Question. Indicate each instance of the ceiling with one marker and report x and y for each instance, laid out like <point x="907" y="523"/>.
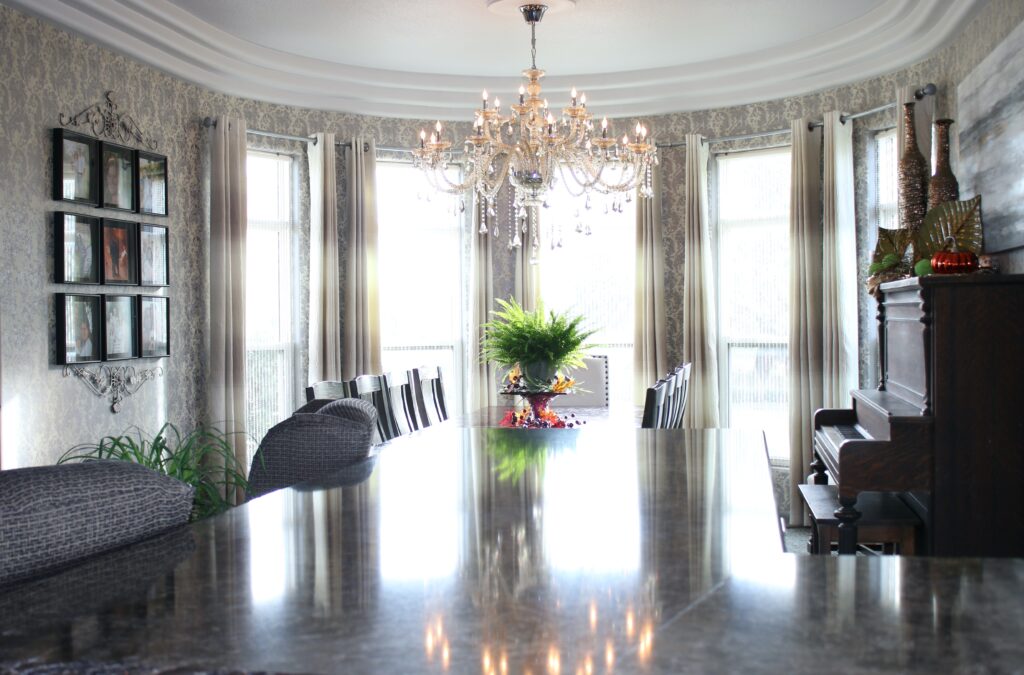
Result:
<point x="431" y="58"/>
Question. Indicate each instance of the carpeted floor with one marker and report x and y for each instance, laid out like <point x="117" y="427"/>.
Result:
<point x="796" y="539"/>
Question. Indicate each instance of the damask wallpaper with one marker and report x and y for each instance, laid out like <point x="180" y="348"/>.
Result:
<point x="47" y="71"/>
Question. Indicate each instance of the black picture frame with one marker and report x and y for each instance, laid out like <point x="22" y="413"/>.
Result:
<point x="151" y="170"/>
<point x="120" y="327"/>
<point x="117" y="177"/>
<point x="76" y="248"/>
<point x="154" y="255"/>
<point x="76" y="162"/>
<point x="79" y="328"/>
<point x="120" y="253"/>
<point x="154" y="326"/>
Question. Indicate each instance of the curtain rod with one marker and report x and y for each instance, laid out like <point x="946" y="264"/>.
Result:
<point x="927" y="90"/>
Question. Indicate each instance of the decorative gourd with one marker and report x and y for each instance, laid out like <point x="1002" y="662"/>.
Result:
<point x="953" y="261"/>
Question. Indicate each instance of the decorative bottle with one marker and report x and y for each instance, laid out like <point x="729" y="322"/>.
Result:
<point x="913" y="176"/>
<point x="943" y="186"/>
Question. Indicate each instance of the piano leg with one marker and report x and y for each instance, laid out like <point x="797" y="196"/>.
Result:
<point x="847" y="516"/>
<point x="818" y="467"/>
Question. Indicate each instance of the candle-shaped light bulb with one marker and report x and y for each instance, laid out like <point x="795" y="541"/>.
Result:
<point x="423" y="137"/>
<point x="437" y="127"/>
<point x="522" y="94"/>
<point x="485" y="99"/>
<point x="638" y="128"/>
<point x="643" y="133"/>
<point x="604" y="127"/>
<point x="572" y="94"/>
<point x="583" y="100"/>
<point x="497" y="102"/>
<point x="625" y="139"/>
<point x="433" y="137"/>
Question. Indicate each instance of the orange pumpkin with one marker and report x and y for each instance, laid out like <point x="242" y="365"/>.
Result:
<point x="952" y="261"/>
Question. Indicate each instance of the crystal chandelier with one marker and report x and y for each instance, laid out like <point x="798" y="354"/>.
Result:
<point x="530" y="146"/>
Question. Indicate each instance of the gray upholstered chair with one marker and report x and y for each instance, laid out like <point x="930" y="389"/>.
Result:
<point x="327" y="389"/>
<point x="592" y="382"/>
<point x="54" y="516"/>
<point x="313" y="444"/>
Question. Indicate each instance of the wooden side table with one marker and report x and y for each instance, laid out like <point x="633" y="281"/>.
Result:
<point x="885" y="520"/>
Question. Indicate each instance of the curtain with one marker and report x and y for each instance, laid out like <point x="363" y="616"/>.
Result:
<point x="805" y="306"/>
<point x="361" y="343"/>
<point x="228" y="221"/>
<point x="483" y="384"/>
<point x="324" y="284"/>
<point x="699" y="327"/>
<point x="650" y="358"/>
<point x="924" y="115"/>
<point x="839" y="266"/>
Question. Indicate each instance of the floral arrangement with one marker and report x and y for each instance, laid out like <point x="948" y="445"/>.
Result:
<point x="535" y="347"/>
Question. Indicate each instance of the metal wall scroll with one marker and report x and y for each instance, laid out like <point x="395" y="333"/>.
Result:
<point x="106" y="122"/>
<point x="114" y="381"/>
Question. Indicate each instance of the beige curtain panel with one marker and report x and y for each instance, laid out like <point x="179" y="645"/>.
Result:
<point x="699" y="327"/>
<point x="324" y="281"/>
<point x="483" y="383"/>
<point x="361" y="343"/>
<point x="840" y="363"/>
<point x="527" y="272"/>
<point x="650" y="353"/>
<point x="805" y="322"/>
<point x="228" y="221"/>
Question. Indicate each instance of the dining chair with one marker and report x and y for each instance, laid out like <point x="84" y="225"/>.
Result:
<point x="403" y="407"/>
<point x="428" y="393"/>
<point x="371" y="388"/>
<point x="667" y="405"/>
<point x="682" y="392"/>
<point x="593" y="379"/>
<point x="654" y="403"/>
<point x="328" y="389"/>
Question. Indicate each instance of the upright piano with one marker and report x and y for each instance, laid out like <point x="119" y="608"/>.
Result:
<point x="945" y="426"/>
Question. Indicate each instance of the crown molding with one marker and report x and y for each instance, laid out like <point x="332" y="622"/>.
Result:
<point x="893" y="35"/>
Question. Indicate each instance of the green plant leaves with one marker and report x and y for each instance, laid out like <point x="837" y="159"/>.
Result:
<point x="960" y="220"/>
<point x="203" y="458"/>
<point x="517" y="336"/>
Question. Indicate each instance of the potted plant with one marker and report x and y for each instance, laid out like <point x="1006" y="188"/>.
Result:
<point x="538" y="348"/>
<point x="202" y="458"/>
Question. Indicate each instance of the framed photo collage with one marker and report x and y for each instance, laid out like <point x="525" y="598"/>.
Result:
<point x="114" y="251"/>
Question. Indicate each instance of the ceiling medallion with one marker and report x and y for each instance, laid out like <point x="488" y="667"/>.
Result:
<point x="530" y="147"/>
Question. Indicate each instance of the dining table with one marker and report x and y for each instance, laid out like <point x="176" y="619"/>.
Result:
<point x="469" y="548"/>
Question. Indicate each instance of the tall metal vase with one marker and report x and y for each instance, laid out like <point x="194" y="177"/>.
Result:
<point x="943" y="186"/>
<point x="913" y="176"/>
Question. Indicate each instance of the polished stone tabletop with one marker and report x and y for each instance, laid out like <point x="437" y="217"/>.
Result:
<point x="456" y="549"/>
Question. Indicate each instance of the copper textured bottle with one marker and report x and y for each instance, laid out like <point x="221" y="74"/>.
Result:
<point x="943" y="186"/>
<point x="912" y="172"/>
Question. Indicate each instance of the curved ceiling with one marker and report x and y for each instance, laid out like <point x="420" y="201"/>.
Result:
<point x="419" y="59"/>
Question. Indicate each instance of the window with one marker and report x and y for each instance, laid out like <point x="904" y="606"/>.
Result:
<point x="420" y="262"/>
<point x="886" y="212"/>
<point x="269" y="344"/>
<point x="753" y="282"/>
<point x="587" y="266"/>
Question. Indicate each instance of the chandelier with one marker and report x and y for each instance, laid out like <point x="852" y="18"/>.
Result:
<point x="530" y="146"/>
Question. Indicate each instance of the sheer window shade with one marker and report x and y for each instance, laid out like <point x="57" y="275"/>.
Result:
<point x="270" y="346"/>
<point x="886" y="213"/>
<point x="753" y="269"/>
<point x="587" y="266"/>
<point x="420" y="267"/>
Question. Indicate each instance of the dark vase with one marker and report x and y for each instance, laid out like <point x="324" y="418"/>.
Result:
<point x="943" y="186"/>
<point x="913" y="176"/>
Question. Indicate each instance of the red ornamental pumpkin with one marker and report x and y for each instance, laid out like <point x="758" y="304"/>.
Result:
<point x="952" y="261"/>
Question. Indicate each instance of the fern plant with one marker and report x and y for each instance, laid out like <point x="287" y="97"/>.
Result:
<point x="203" y="458"/>
<point x="539" y="343"/>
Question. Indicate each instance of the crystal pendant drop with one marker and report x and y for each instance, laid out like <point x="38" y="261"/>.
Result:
<point x="516" y="241"/>
<point x="587" y="230"/>
<point x="586" y="204"/>
<point x="579" y="226"/>
<point x="462" y="205"/>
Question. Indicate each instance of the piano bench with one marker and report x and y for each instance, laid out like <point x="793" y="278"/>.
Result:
<point x="885" y="520"/>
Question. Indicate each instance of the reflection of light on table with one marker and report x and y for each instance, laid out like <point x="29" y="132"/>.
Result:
<point x="267" y="550"/>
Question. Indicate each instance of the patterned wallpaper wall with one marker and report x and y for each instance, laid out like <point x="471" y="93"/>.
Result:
<point x="48" y="71"/>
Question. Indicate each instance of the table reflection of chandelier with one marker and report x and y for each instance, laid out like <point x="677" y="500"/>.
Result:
<point x="530" y="146"/>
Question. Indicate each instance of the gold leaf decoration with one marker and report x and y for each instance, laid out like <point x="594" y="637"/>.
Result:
<point x="960" y="220"/>
<point x="891" y="241"/>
